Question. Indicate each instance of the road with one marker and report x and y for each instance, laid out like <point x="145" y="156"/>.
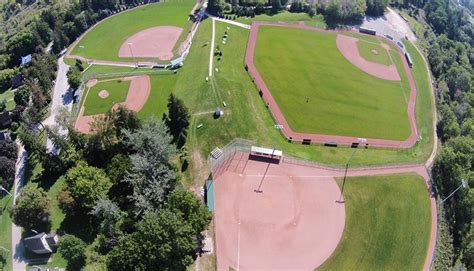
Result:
<point x="62" y="97"/>
<point x="17" y="248"/>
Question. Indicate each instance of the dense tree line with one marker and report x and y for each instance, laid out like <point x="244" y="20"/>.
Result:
<point x="449" y="39"/>
<point x="8" y="155"/>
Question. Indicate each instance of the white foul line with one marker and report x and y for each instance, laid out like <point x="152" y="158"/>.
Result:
<point x="238" y="247"/>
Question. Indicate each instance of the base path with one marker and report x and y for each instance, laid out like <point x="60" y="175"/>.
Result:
<point x="320" y="138"/>
<point x="138" y="92"/>
<point x="294" y="223"/>
<point x="152" y="42"/>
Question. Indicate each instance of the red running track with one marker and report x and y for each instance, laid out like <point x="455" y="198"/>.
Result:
<point x="320" y="138"/>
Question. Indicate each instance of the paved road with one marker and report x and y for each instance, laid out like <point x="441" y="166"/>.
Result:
<point x="62" y="97"/>
<point x="18" y="249"/>
<point x="391" y="23"/>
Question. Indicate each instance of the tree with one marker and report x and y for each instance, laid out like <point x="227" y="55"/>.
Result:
<point x="31" y="210"/>
<point x="216" y="7"/>
<point x="22" y="95"/>
<point x="110" y="218"/>
<point x="7" y="171"/>
<point x="21" y="44"/>
<point x="74" y="78"/>
<point x="87" y="184"/>
<point x="376" y="7"/>
<point x="152" y="175"/>
<point x="73" y="250"/>
<point x="190" y="208"/>
<point x="8" y="149"/>
<point x="177" y="119"/>
<point x="5" y="78"/>
<point x="120" y="190"/>
<point x="163" y="241"/>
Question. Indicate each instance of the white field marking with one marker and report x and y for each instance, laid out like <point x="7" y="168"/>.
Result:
<point x="238" y="246"/>
<point x="212" y="46"/>
<point x="283" y="176"/>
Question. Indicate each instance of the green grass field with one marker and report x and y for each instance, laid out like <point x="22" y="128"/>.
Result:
<point x="286" y="16"/>
<point x="117" y="89"/>
<point x="342" y="99"/>
<point x="104" y="41"/>
<point x="373" y="52"/>
<point x="6" y="230"/>
<point x="388" y="220"/>
<point x="8" y="96"/>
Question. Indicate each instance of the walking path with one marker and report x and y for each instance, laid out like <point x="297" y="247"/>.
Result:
<point x="320" y="138"/>
<point x="211" y="53"/>
<point x="18" y="250"/>
<point x="246" y="26"/>
<point x="62" y="97"/>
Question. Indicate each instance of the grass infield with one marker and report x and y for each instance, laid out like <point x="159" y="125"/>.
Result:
<point x="117" y="89"/>
<point x="373" y="52"/>
<point x="388" y="221"/>
<point x="104" y="41"/>
<point x="319" y="91"/>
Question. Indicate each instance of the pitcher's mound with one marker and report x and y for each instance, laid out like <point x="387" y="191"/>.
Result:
<point x="103" y="94"/>
<point x="155" y="42"/>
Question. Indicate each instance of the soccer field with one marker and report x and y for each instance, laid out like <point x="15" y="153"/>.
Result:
<point x="103" y="41"/>
<point x="319" y="91"/>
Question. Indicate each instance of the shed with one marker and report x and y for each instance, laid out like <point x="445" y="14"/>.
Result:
<point x="5" y="119"/>
<point x="4" y="136"/>
<point x="25" y="59"/>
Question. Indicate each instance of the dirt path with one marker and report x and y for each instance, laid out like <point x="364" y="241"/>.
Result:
<point x="320" y="138"/>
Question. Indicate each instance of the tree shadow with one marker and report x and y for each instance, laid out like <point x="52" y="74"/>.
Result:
<point x="79" y="225"/>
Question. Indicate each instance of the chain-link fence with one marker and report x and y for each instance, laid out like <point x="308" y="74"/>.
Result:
<point x="219" y="164"/>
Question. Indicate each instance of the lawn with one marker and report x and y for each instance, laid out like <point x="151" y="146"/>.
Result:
<point x="388" y="221"/>
<point x="8" y="96"/>
<point x="286" y="16"/>
<point x="373" y="52"/>
<point x="103" y="42"/>
<point x="5" y="230"/>
<point x="117" y="89"/>
<point x="316" y="97"/>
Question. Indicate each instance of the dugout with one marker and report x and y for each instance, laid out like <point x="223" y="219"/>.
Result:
<point x="266" y="154"/>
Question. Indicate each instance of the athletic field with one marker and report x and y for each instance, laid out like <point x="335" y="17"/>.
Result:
<point x="103" y="42"/>
<point x="320" y="92"/>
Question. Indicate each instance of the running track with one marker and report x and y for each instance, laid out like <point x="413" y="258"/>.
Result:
<point x="320" y="138"/>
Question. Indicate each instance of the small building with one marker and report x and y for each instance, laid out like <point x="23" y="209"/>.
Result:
<point x="42" y="243"/>
<point x="5" y="119"/>
<point x="25" y="59"/>
<point x="4" y="136"/>
<point x="17" y="80"/>
<point x="218" y="112"/>
<point x="408" y="58"/>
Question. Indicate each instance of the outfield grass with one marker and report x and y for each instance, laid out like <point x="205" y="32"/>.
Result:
<point x="373" y="52"/>
<point x="117" y="89"/>
<point x="388" y="221"/>
<point x="286" y="16"/>
<point x="103" y="42"/>
<point x="319" y="91"/>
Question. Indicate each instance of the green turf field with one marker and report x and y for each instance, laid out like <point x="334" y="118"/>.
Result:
<point x="286" y="16"/>
<point x="373" y="52"/>
<point x="319" y="91"/>
<point x="117" y="89"/>
<point x="103" y="42"/>
<point x="388" y="220"/>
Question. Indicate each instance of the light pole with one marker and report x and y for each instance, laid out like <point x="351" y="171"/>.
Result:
<point x="462" y="185"/>
<point x="131" y="52"/>
<point x="345" y="175"/>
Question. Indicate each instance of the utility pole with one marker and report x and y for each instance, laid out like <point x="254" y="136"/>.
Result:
<point x="345" y="175"/>
<point x="462" y="185"/>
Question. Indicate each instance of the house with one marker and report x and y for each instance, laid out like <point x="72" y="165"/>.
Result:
<point x="5" y="119"/>
<point x="4" y="136"/>
<point x="25" y="59"/>
<point x="42" y="243"/>
<point x="17" y="80"/>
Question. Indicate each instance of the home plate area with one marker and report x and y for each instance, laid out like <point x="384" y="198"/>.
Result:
<point x="272" y="214"/>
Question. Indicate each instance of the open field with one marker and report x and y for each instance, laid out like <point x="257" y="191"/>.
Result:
<point x="117" y="90"/>
<point x="8" y="96"/>
<point x="286" y="16"/>
<point x="388" y="221"/>
<point x="104" y="41"/>
<point x="6" y="229"/>
<point x="373" y="52"/>
<point x="307" y="77"/>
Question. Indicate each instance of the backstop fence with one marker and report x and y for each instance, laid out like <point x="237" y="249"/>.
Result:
<point x="221" y="158"/>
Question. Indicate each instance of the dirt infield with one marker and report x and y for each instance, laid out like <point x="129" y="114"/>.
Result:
<point x="91" y="83"/>
<point x="294" y="224"/>
<point x="257" y="231"/>
<point x="320" y="138"/>
<point x="348" y="47"/>
<point x="155" y="42"/>
<point x="138" y="92"/>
